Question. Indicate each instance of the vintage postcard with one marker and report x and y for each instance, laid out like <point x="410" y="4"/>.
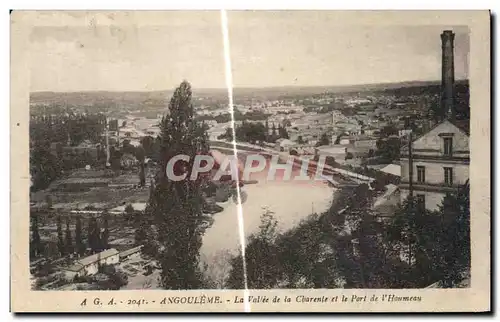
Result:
<point x="250" y="161"/>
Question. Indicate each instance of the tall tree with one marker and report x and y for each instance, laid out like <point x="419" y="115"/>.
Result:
<point x="262" y="265"/>
<point x="451" y="253"/>
<point x="283" y="132"/>
<point x="267" y="131"/>
<point x="147" y="143"/>
<point x="389" y="149"/>
<point x="436" y="112"/>
<point x="417" y="233"/>
<point x="93" y="235"/>
<point x="60" y="238"/>
<point x="324" y="140"/>
<point x="176" y="206"/>
<point x="80" y="246"/>
<point x="140" y="155"/>
<point x="68" y="239"/>
<point x="105" y="232"/>
<point x="454" y="237"/>
<point x="251" y="132"/>
<point x="36" y="243"/>
<point x="141" y="234"/>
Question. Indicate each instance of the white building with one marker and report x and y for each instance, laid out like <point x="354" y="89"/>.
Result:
<point x="440" y="164"/>
<point x="90" y="265"/>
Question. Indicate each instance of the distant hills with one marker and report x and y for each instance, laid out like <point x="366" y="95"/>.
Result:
<point x="312" y="90"/>
<point x="160" y="98"/>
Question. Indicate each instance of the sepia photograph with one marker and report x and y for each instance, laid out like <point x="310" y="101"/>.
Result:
<point x="250" y="150"/>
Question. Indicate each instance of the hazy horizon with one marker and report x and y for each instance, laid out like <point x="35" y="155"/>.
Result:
<point x="256" y="88"/>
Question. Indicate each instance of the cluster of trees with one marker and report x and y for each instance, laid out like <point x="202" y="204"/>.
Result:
<point x="47" y="162"/>
<point x="44" y="167"/>
<point x="255" y="132"/>
<point x="388" y="149"/>
<point x="96" y="239"/>
<point x="151" y="147"/>
<point x="59" y="127"/>
<point x="348" y="247"/>
<point x="139" y="153"/>
<point x="304" y="257"/>
<point x="437" y="242"/>
<point x="323" y="140"/>
<point x="47" y="128"/>
<point x="115" y="278"/>
<point x="388" y="145"/>
<point x="238" y="116"/>
<point x="109" y="278"/>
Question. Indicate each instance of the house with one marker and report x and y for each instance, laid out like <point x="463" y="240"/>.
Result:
<point x="90" y="264"/>
<point x="440" y="160"/>
<point x="345" y="140"/>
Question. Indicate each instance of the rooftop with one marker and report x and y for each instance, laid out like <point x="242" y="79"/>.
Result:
<point x="333" y="148"/>
<point x="94" y="258"/>
<point x="464" y="125"/>
<point x="130" y="251"/>
<point x="74" y="268"/>
<point x="394" y="169"/>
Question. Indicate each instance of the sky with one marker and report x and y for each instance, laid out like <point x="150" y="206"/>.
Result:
<point x="106" y="54"/>
<point x="267" y="49"/>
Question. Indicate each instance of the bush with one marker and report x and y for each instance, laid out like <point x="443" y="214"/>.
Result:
<point x="115" y="278"/>
<point x="83" y="279"/>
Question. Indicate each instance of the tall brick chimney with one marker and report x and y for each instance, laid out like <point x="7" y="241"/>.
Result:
<point x="448" y="75"/>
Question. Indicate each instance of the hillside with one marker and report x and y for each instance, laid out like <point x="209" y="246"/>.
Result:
<point x="160" y="98"/>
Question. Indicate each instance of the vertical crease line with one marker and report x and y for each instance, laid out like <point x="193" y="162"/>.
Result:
<point x="229" y="84"/>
